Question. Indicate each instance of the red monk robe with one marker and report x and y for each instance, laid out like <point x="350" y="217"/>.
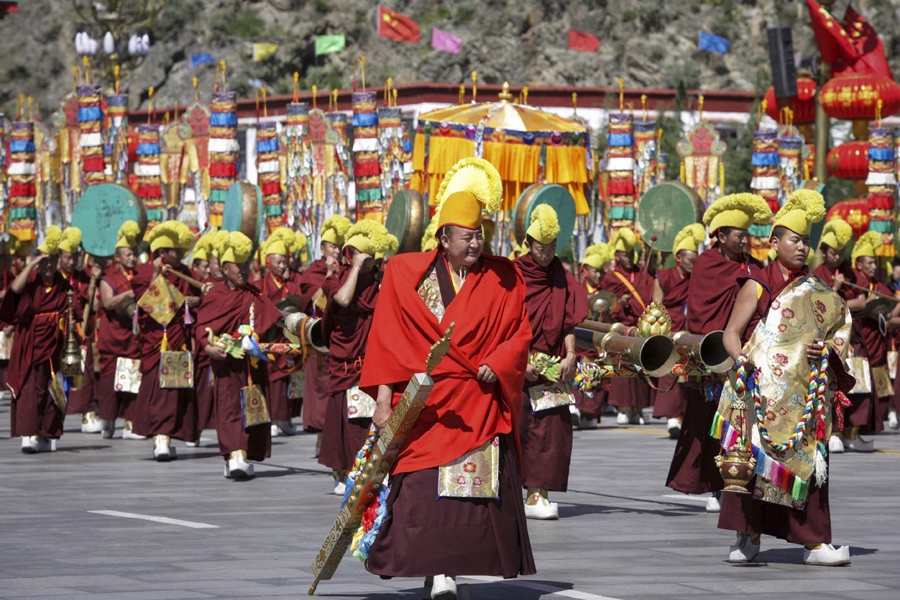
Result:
<point x="171" y="412"/>
<point x="224" y="310"/>
<point x="670" y="401"/>
<point x="83" y="400"/>
<point x="629" y="391"/>
<point x="590" y="406"/>
<point x="39" y="339"/>
<point x="206" y="409"/>
<point x="281" y="407"/>
<point x="347" y="331"/>
<point x="712" y="291"/>
<point x="115" y="339"/>
<point x="742" y="512"/>
<point x="868" y="411"/>
<point x="317" y="370"/>
<point x="555" y="304"/>
<point x="8" y="277"/>
<point x="478" y="537"/>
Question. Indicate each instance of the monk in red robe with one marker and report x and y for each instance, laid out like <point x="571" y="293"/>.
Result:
<point x="37" y="302"/>
<point x="278" y="284"/>
<point x="671" y="290"/>
<point x="317" y="369"/>
<point x="116" y="339"/>
<point x="9" y="268"/>
<point x="208" y="270"/>
<point x="224" y="309"/>
<point x="168" y="412"/>
<point x="712" y="291"/>
<point x="633" y="286"/>
<point x="474" y="406"/>
<point x="352" y="294"/>
<point x="596" y="265"/>
<point x="555" y="304"/>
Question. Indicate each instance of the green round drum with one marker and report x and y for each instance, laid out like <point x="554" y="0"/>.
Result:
<point x="243" y="210"/>
<point x="664" y="210"/>
<point x="407" y="218"/>
<point x="554" y="195"/>
<point x="101" y="211"/>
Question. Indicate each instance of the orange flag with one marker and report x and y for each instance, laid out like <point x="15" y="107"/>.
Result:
<point x="397" y="27"/>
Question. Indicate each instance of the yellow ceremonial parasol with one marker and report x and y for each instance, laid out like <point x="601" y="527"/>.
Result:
<point x="525" y="144"/>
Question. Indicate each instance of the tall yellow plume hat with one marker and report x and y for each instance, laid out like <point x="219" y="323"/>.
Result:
<point x="689" y="238"/>
<point x="203" y="248"/>
<point x="471" y="185"/>
<point x="71" y="240"/>
<point x="597" y="255"/>
<point x="800" y="211"/>
<point x="128" y="235"/>
<point x="171" y="234"/>
<point x="623" y="240"/>
<point x="237" y="248"/>
<point x="52" y="237"/>
<point x="544" y="226"/>
<point x="736" y="210"/>
<point x="278" y="243"/>
<point x="334" y="229"/>
<point x="866" y="245"/>
<point x="367" y="236"/>
<point x="836" y="234"/>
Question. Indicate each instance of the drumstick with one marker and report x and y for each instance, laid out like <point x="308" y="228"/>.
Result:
<point x="188" y="278"/>
<point x="868" y="291"/>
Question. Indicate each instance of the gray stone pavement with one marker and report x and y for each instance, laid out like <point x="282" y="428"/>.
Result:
<point x="621" y="534"/>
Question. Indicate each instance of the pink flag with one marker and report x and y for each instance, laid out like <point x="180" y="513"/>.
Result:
<point x="441" y="40"/>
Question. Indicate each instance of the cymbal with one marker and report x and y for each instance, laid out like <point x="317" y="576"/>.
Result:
<point x="289" y="304"/>
<point x="602" y="301"/>
<point x="878" y="306"/>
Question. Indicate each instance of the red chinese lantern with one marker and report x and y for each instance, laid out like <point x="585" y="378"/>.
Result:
<point x="855" y="211"/>
<point x="803" y="105"/>
<point x="849" y="160"/>
<point x="855" y="96"/>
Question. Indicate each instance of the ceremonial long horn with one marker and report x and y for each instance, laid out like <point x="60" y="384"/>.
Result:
<point x="707" y="350"/>
<point x="307" y="328"/>
<point x="656" y="354"/>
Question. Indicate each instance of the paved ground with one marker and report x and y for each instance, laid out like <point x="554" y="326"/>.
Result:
<point x="622" y="533"/>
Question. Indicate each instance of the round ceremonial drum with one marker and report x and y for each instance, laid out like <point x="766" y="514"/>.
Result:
<point x="407" y="219"/>
<point x="243" y="210"/>
<point x="554" y="195"/>
<point x="664" y="210"/>
<point x="101" y="211"/>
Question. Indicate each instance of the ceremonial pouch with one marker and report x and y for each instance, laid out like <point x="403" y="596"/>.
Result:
<point x="58" y="392"/>
<point x="360" y="405"/>
<point x="6" y="342"/>
<point x="882" y="382"/>
<point x="253" y="406"/>
<point x="475" y="474"/>
<point x="128" y="375"/>
<point x="161" y="301"/>
<point x="176" y="370"/>
<point x="859" y="369"/>
<point x="295" y="385"/>
<point x="550" y="395"/>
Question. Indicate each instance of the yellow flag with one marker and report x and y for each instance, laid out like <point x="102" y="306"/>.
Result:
<point x="263" y="51"/>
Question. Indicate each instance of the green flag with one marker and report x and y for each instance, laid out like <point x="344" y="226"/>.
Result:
<point x="326" y="44"/>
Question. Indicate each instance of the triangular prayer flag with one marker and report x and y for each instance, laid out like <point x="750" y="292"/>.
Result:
<point x="583" y="42"/>
<point x="326" y="44"/>
<point x="263" y="51"/>
<point x="867" y="44"/>
<point x="441" y="40"/>
<point x="713" y="43"/>
<point x="200" y="58"/>
<point x="397" y="27"/>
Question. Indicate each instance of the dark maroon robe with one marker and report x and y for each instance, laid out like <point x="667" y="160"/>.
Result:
<point x="171" y="412"/>
<point x="712" y="291"/>
<point x="317" y="369"/>
<point x="224" y="310"/>
<point x="83" y="400"/>
<point x="868" y="411"/>
<point x="555" y="304"/>
<point x="115" y="339"/>
<point x="277" y="289"/>
<point x="39" y="313"/>
<point x="670" y="400"/>
<point x="347" y="330"/>
<point x="744" y="513"/>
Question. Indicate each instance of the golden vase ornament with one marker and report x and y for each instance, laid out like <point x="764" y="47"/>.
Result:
<point x="738" y="467"/>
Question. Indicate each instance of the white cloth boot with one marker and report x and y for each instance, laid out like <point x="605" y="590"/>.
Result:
<point x="238" y="466"/>
<point x="826" y="555"/>
<point x="537" y="506"/>
<point x="745" y="550"/>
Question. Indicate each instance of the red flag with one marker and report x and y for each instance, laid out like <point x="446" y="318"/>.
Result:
<point x="867" y="43"/>
<point x="397" y="27"/>
<point x="834" y="44"/>
<point x="583" y="42"/>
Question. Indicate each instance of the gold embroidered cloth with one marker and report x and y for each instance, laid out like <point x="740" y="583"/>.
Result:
<point x="161" y="300"/>
<point x="550" y="395"/>
<point x="176" y="370"/>
<point x="295" y="385"/>
<point x="253" y="404"/>
<point x="475" y="474"/>
<point x="360" y="405"/>
<point x="128" y="375"/>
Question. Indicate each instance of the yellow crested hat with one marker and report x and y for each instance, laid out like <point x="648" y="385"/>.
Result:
<point x="52" y="238"/>
<point x="689" y="238"/>
<point x="544" y="224"/>
<point x="128" y="235"/>
<point x="334" y="229"/>
<point x="298" y="242"/>
<point x="217" y="243"/>
<point x="623" y="240"/>
<point x="736" y="210"/>
<point x="367" y="236"/>
<point x="836" y="234"/>
<point x="70" y="240"/>
<point x="203" y="248"/>
<point x="393" y="246"/>
<point x="472" y="185"/>
<point x="236" y="248"/>
<point x="597" y="255"/>
<point x="171" y="234"/>
<point x="800" y="211"/>
<point x="279" y="242"/>
<point x="866" y="245"/>
<point x="429" y="238"/>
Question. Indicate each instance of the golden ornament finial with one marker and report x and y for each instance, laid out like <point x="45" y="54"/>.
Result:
<point x="474" y="86"/>
<point x="504" y="95"/>
<point x="439" y="350"/>
<point x="621" y="94"/>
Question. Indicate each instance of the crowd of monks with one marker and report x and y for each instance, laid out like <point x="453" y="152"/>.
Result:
<point x="159" y="367"/>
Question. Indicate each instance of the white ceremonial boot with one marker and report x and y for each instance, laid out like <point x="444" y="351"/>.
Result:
<point x="129" y="434"/>
<point x="318" y="444"/>
<point x="29" y="444"/>
<point x="713" y="504"/>
<point x="538" y="507"/>
<point x="858" y="444"/>
<point x="108" y="428"/>
<point x="162" y="449"/>
<point x="835" y="445"/>
<point x="340" y="483"/>
<point x="238" y="466"/>
<point x="286" y="427"/>
<point x="274" y="431"/>
<point x="587" y="423"/>
<point x="673" y="426"/>
<point x="443" y="588"/>
<point x="90" y="423"/>
<point x="893" y="423"/>
<point x="576" y="415"/>
<point x="745" y="550"/>
<point x="637" y="417"/>
<point x="227" y="470"/>
<point x="622" y="418"/>
<point x="826" y="555"/>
